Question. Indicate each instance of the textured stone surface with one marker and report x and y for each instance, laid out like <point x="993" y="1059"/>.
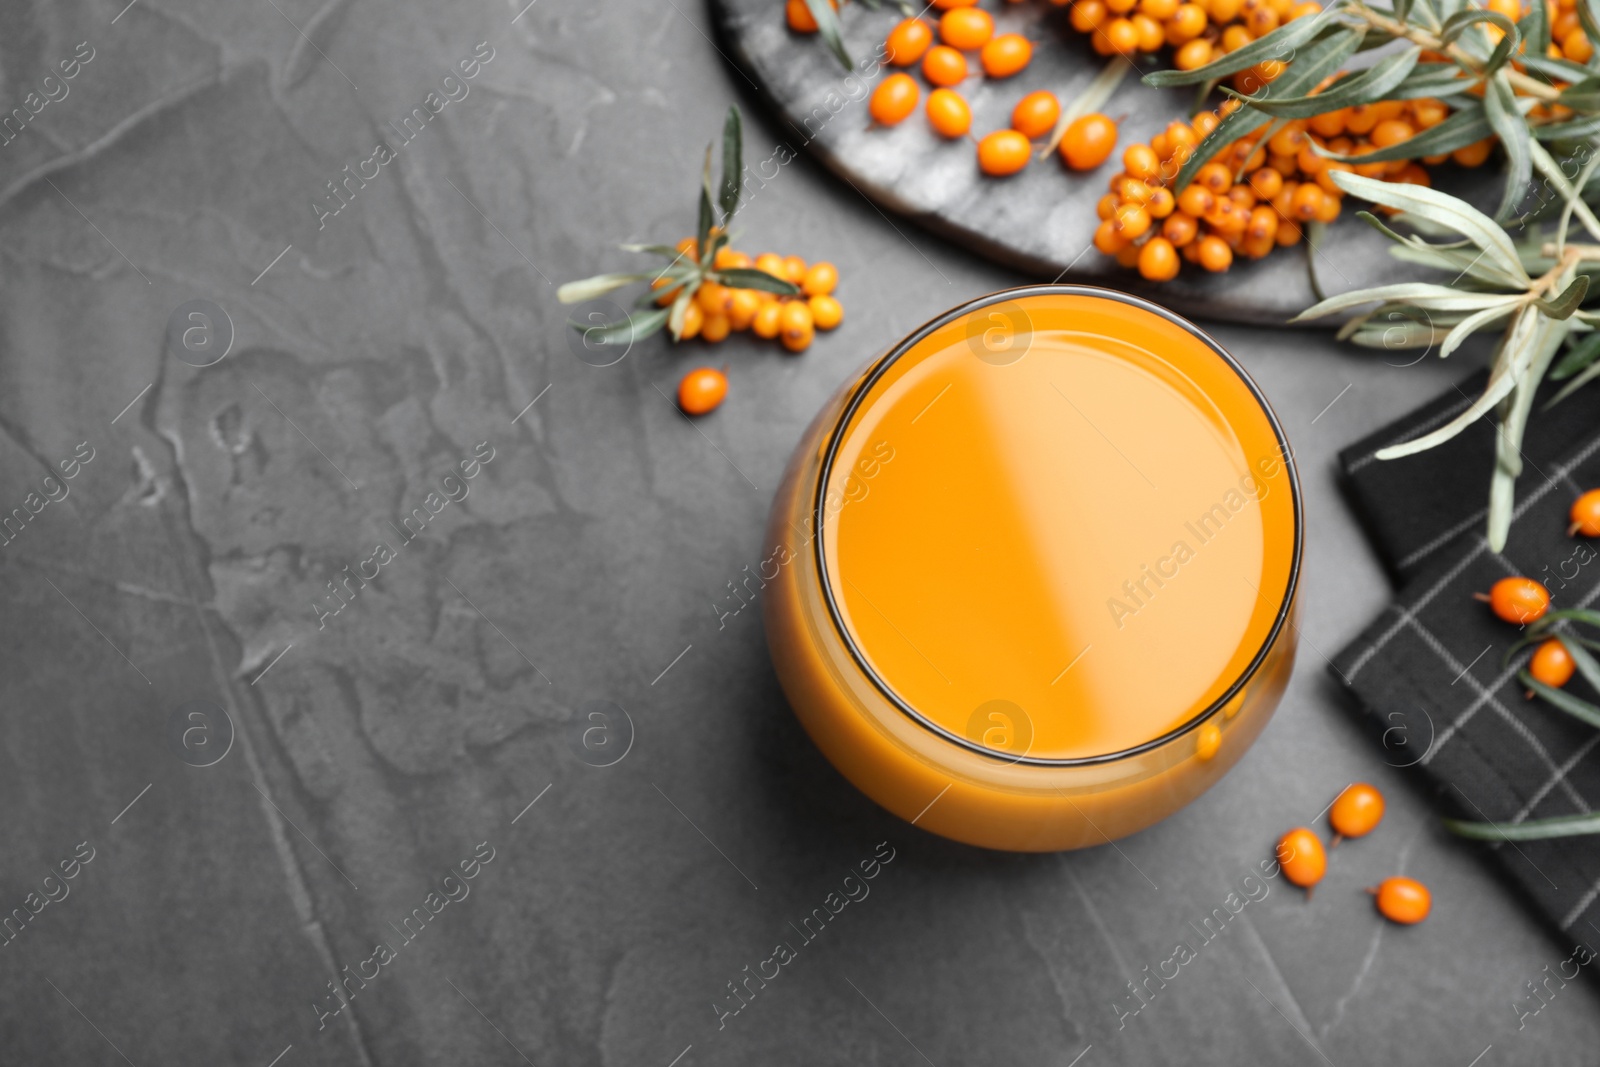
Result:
<point x="586" y="562"/>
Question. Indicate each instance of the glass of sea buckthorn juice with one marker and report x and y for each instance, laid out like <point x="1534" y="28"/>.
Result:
<point x="1038" y="567"/>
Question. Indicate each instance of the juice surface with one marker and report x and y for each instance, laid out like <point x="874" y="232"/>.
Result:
<point x="1087" y="528"/>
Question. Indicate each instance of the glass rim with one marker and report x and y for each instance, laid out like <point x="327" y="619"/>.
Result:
<point x="910" y="341"/>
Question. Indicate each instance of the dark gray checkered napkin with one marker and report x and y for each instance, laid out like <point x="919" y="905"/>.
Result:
<point x="1429" y="671"/>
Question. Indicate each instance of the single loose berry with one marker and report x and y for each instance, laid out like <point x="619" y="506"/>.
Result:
<point x="944" y="66"/>
<point x="1517" y="600"/>
<point x="1035" y="115"/>
<point x="1006" y="55"/>
<point x="1088" y="141"/>
<point x="894" y="98"/>
<point x="1585" y="515"/>
<point x="1403" y="900"/>
<point x="966" y="28"/>
<point x="907" y="42"/>
<point x="948" y="113"/>
<point x="1356" y="812"/>
<point x="701" y="390"/>
<point x="1003" y="152"/>
<point x="1301" y="856"/>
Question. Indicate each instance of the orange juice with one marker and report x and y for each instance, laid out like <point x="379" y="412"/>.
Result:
<point x="1037" y="570"/>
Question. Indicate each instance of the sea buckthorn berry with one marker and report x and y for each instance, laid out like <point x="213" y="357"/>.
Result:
<point x="946" y="5"/>
<point x="1356" y="812"/>
<point x="742" y="308"/>
<point x="799" y="16"/>
<point x="1262" y="21"/>
<point x="1330" y="167"/>
<point x="1266" y="183"/>
<point x="1106" y="206"/>
<point x="1087" y="15"/>
<point x="1161" y="203"/>
<point x="1301" y="856"/>
<point x="1585" y="515"/>
<point x="1223" y="12"/>
<point x="713" y="298"/>
<point x="1243" y="196"/>
<point x="1186" y="23"/>
<point x="1255" y="247"/>
<point x="893" y="99"/>
<point x="1205" y="122"/>
<point x="794" y="269"/>
<point x="1428" y="113"/>
<point x="667" y="297"/>
<point x="1552" y="664"/>
<point x="716" y="328"/>
<point x="693" y="319"/>
<point x="767" y="321"/>
<point x="1193" y="54"/>
<point x="1180" y="229"/>
<point x="826" y="312"/>
<point x="1128" y="256"/>
<point x="1196" y="200"/>
<point x="1035" y="114"/>
<point x="1577" y="47"/>
<point x="1392" y="132"/>
<point x="1120" y="36"/>
<point x="1005" y="55"/>
<point x="1306" y="202"/>
<point x="1360" y="119"/>
<point x="796" y="325"/>
<point x="1288" y="233"/>
<point x="1140" y="162"/>
<point x="1474" y="154"/>
<point x="689" y="249"/>
<point x="1517" y="600"/>
<point x="966" y="28"/>
<point x="1003" y="152"/>
<point x="1151" y="34"/>
<point x="1329" y="209"/>
<point x="1236" y="37"/>
<point x="1208" y="739"/>
<point x="948" y="113"/>
<point x="1289" y="140"/>
<point x="772" y="263"/>
<point x="1121" y="7"/>
<point x="1329" y="123"/>
<point x="944" y="66"/>
<point x="1160" y="10"/>
<point x="1108" y="239"/>
<point x="907" y="41"/>
<point x="701" y="390"/>
<point x="1215" y="177"/>
<point x="1088" y="141"/>
<point x="1300" y="11"/>
<point x="1132" y="221"/>
<point x="1215" y="255"/>
<point x="1263" y="224"/>
<point x="1403" y="900"/>
<point x="820" y="279"/>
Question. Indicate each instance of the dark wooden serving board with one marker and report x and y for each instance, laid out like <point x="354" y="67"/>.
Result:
<point x="1040" y="221"/>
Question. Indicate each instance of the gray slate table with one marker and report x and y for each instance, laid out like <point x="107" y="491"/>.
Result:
<point x="365" y="763"/>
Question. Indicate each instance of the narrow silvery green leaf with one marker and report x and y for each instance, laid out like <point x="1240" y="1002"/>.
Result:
<point x="1370" y="85"/>
<point x="1578" y="357"/>
<point x="828" y="27"/>
<point x="1499" y="106"/>
<point x="1470" y="325"/>
<point x="1531" y="830"/>
<point x="1561" y="307"/>
<point x="1535" y="29"/>
<point x="1539" y="348"/>
<point x="599" y="285"/>
<point x="630" y="329"/>
<point x="1582" y="660"/>
<point x="1502" y="380"/>
<point x="1590" y="372"/>
<point x="1572" y="202"/>
<point x="1577" y="707"/>
<point x="1461" y="21"/>
<point x="732" y="165"/>
<point x="1444" y="209"/>
<point x="749" y="278"/>
<point x="1282" y="43"/>
<point x="1464" y="126"/>
<point x="1431" y="79"/>
<point x="1420" y="294"/>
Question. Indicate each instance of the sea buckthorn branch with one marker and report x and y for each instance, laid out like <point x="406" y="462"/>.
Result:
<point x="1537" y="292"/>
<point x="696" y="266"/>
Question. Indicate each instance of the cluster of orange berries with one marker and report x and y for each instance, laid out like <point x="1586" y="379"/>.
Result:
<point x="1256" y="195"/>
<point x="1567" y="39"/>
<point x="962" y="28"/>
<point x="1198" y="31"/>
<point x="717" y="310"/>
<point x="1355" y="812"/>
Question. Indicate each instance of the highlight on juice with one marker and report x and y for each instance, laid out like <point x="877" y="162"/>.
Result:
<point x="1039" y="565"/>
